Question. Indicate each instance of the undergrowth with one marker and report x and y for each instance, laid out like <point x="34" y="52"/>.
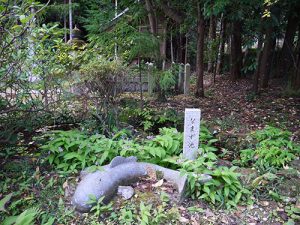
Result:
<point x="71" y="151"/>
<point x="273" y="149"/>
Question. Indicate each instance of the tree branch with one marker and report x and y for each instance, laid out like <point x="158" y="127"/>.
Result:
<point x="170" y="12"/>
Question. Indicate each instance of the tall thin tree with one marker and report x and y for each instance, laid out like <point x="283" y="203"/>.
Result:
<point x="200" y="52"/>
<point x="70" y="19"/>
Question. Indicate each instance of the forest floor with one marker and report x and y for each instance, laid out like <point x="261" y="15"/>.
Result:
<point x="232" y="106"/>
<point x="231" y="110"/>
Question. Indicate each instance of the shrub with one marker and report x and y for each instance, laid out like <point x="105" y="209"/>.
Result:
<point x="100" y="82"/>
<point x="274" y="148"/>
<point x="224" y="189"/>
<point x="73" y="150"/>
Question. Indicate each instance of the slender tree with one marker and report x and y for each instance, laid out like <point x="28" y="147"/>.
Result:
<point x="220" y="60"/>
<point x="236" y="55"/>
<point x="267" y="53"/>
<point x="65" y="22"/>
<point x="200" y="52"/>
<point x="211" y="39"/>
<point x="287" y="52"/>
<point x="70" y="19"/>
<point x="295" y="81"/>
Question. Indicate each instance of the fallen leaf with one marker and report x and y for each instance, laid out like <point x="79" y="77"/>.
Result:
<point x="65" y="184"/>
<point x="151" y="173"/>
<point x="158" y="183"/>
<point x="3" y="202"/>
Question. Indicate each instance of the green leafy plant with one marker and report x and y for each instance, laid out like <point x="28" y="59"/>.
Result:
<point x="99" y="207"/>
<point x="166" y="80"/>
<point x="293" y="212"/>
<point x="73" y="150"/>
<point x="151" y="120"/>
<point x="167" y="144"/>
<point x="27" y="217"/>
<point x="224" y="189"/>
<point x="274" y="148"/>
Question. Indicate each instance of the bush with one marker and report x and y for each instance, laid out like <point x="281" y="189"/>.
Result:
<point x="274" y="148"/>
<point x="73" y="150"/>
<point x="100" y="82"/>
<point x="151" y="120"/>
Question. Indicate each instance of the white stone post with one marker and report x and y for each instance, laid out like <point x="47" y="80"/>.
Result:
<point x="191" y="133"/>
<point x="151" y="80"/>
<point x="187" y="75"/>
<point x="181" y="78"/>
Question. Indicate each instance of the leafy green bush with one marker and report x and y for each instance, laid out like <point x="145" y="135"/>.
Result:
<point x="101" y="81"/>
<point x="274" y="148"/>
<point x="151" y="120"/>
<point x="73" y="150"/>
<point x="224" y="189"/>
<point x="167" y="144"/>
<point x="27" y="217"/>
<point x="166" y="80"/>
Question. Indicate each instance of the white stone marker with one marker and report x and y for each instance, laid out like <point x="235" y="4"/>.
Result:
<point x="191" y="133"/>
<point x="181" y="78"/>
<point x="151" y="80"/>
<point x="187" y="75"/>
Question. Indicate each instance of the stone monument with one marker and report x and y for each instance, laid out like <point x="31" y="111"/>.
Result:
<point x="191" y="133"/>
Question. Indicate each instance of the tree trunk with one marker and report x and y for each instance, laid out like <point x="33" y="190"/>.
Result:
<point x="211" y="38"/>
<point x="258" y="60"/>
<point x="151" y="16"/>
<point x="266" y="59"/>
<point x="286" y="56"/>
<point x="181" y="49"/>
<point x="171" y="48"/>
<point x="296" y="77"/>
<point x="220" y="61"/>
<point x="295" y="81"/>
<point x="236" y="55"/>
<point x="186" y="50"/>
<point x="70" y="19"/>
<point x="163" y="45"/>
<point x="65" y="22"/>
<point x="200" y="54"/>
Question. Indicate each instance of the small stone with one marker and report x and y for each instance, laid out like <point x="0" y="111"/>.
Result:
<point x="208" y="213"/>
<point x="265" y="203"/>
<point x="183" y="219"/>
<point x="126" y="192"/>
<point x="283" y="215"/>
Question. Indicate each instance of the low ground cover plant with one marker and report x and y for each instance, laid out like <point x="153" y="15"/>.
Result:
<point x="273" y="149"/>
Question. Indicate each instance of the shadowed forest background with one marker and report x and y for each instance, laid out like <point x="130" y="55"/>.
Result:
<point x="82" y="82"/>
